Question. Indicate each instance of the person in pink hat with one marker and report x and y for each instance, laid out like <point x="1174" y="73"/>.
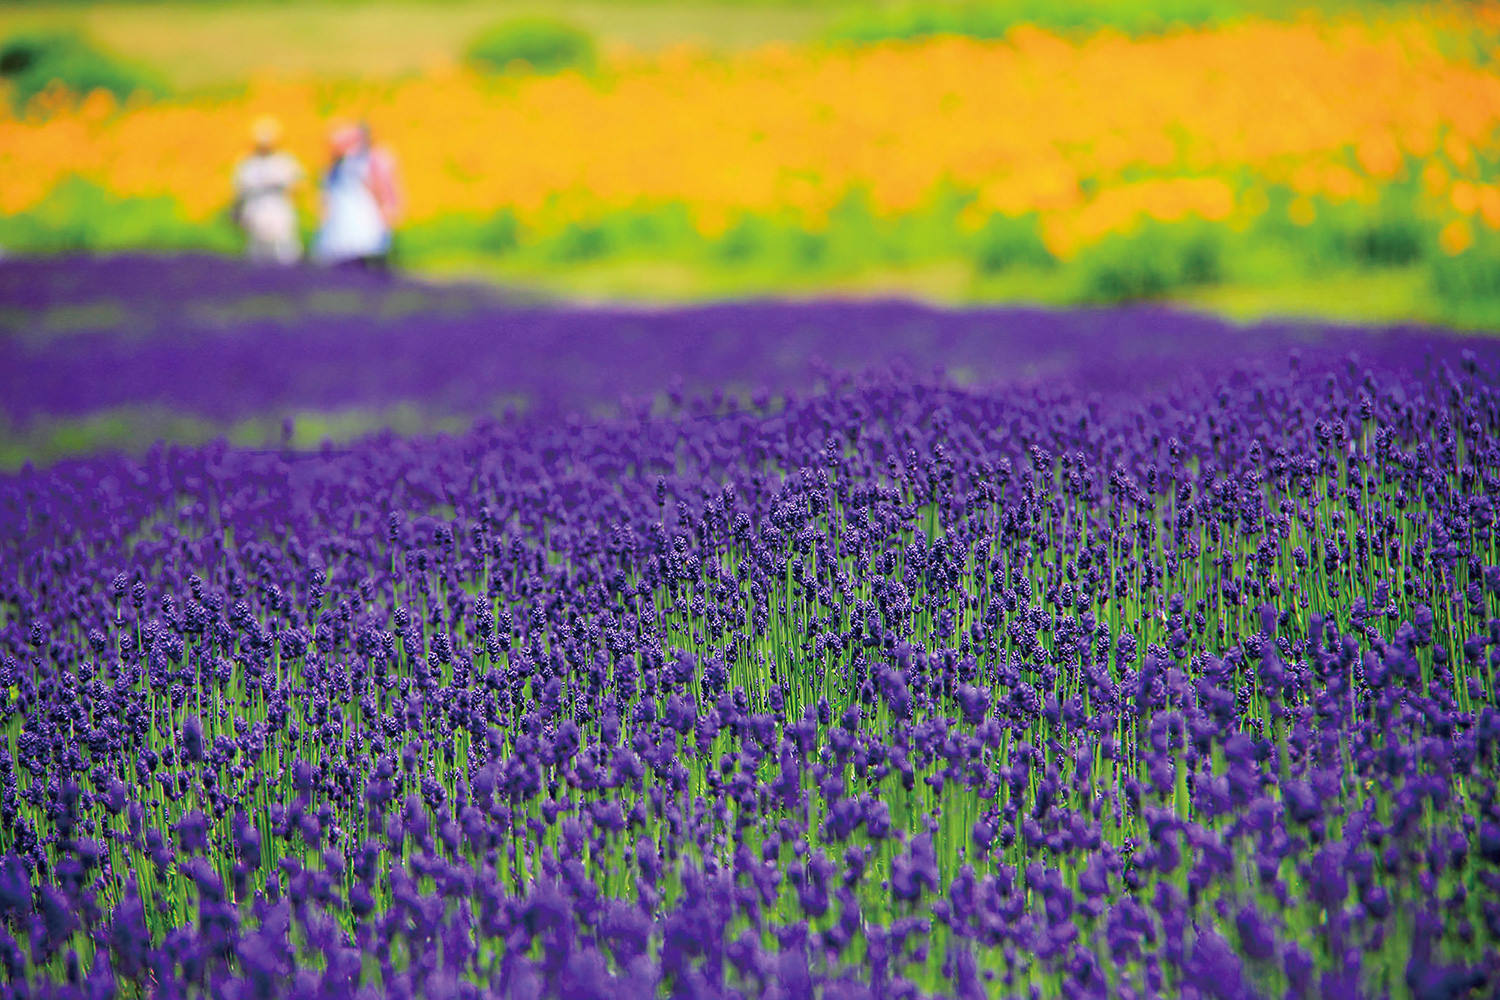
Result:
<point x="361" y="201"/>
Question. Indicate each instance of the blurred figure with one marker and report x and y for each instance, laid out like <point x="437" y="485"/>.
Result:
<point x="263" y="183"/>
<point x="361" y="201"/>
<point x="383" y="178"/>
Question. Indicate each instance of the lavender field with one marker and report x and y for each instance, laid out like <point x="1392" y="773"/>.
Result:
<point x="788" y="650"/>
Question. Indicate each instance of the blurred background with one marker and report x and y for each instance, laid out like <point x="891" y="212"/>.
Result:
<point x="1249" y="158"/>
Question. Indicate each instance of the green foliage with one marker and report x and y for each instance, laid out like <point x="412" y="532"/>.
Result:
<point x="858" y="235"/>
<point x="1391" y="233"/>
<point x="993" y="18"/>
<point x="1389" y="241"/>
<point x="656" y="228"/>
<point x="1473" y="275"/>
<point x="497" y="234"/>
<point x="751" y="238"/>
<point x="874" y="22"/>
<point x="536" y="44"/>
<point x="32" y="61"/>
<point x="580" y="241"/>
<point x="1006" y="241"/>
<point x="79" y="215"/>
<point x="1005" y="256"/>
<point x="1150" y="262"/>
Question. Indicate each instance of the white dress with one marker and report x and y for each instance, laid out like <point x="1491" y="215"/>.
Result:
<point x="353" y="225"/>
<point x="263" y="183"/>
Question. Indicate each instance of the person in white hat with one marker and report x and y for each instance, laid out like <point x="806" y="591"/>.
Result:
<point x="263" y="185"/>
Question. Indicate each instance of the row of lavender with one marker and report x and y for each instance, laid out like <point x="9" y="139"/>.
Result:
<point x="893" y="688"/>
<point x="224" y="341"/>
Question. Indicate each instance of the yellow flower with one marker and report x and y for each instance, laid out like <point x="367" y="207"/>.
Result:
<point x="1093" y="134"/>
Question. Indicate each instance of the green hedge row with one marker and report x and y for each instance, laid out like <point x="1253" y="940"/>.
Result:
<point x="872" y="22"/>
<point x="1155" y="260"/>
<point x="32" y="61"/>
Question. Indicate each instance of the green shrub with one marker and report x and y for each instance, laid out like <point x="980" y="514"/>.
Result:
<point x="663" y="228"/>
<point x="993" y="18"/>
<point x="501" y="233"/>
<point x="537" y="44"/>
<point x="856" y="235"/>
<point x="1154" y="260"/>
<point x="748" y="238"/>
<point x="782" y="245"/>
<point x="1390" y="241"/>
<point x="580" y="241"/>
<point x="32" y="61"/>
<point x="808" y="250"/>
<point x="1391" y="233"/>
<point x="78" y="215"/>
<point x="496" y="234"/>
<point x="1473" y="275"/>
<point x="875" y="21"/>
<point x="1005" y="242"/>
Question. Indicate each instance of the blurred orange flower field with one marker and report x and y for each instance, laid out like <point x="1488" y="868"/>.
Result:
<point x="1094" y="135"/>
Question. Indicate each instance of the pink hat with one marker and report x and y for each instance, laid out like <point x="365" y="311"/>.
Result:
<point x="343" y="138"/>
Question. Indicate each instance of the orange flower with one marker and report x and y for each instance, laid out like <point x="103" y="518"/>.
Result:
<point x="1093" y="134"/>
<point x="1456" y="237"/>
